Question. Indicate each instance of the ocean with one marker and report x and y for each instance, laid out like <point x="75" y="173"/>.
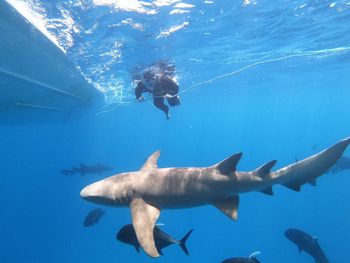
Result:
<point x="269" y="79"/>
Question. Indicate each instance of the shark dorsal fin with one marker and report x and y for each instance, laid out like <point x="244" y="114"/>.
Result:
<point x="228" y="166"/>
<point x="151" y="162"/>
<point x="144" y="217"/>
<point x="254" y="254"/>
<point x="265" y="169"/>
<point x="228" y="206"/>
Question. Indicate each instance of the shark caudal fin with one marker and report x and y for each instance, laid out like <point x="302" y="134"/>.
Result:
<point x="306" y="171"/>
<point x="182" y="242"/>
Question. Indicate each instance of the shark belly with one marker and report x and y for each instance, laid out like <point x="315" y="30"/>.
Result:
<point x="172" y="188"/>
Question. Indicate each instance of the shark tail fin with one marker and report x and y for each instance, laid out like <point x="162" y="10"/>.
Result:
<point x="182" y="242"/>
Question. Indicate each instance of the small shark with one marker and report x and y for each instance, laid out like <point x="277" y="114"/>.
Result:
<point x="127" y="235"/>
<point x="250" y="259"/>
<point x="307" y="243"/>
<point x="85" y="169"/>
<point x="342" y="164"/>
<point x="147" y="191"/>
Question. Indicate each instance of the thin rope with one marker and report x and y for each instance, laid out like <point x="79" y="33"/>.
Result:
<point x="310" y="53"/>
<point x="305" y="54"/>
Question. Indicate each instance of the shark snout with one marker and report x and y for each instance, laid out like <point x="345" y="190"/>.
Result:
<point x="91" y="191"/>
<point x="98" y="193"/>
<point x="84" y="193"/>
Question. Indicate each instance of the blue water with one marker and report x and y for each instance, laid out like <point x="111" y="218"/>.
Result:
<point x="270" y="79"/>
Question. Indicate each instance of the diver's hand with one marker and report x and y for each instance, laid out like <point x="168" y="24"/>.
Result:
<point x="140" y="99"/>
<point x="167" y="96"/>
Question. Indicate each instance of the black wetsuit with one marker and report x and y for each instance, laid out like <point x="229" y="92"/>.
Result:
<point x="162" y="86"/>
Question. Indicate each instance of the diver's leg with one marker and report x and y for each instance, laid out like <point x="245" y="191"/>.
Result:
<point x="159" y="103"/>
<point x="172" y="90"/>
<point x="174" y="101"/>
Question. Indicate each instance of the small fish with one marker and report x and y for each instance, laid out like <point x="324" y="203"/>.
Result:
<point x="307" y="243"/>
<point x="250" y="259"/>
<point x="93" y="217"/>
<point x="86" y="169"/>
<point x="127" y="235"/>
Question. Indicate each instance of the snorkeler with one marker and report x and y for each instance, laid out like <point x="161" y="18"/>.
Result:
<point x="162" y="86"/>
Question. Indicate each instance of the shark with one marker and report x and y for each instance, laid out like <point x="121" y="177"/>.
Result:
<point x="87" y="169"/>
<point x="152" y="189"/>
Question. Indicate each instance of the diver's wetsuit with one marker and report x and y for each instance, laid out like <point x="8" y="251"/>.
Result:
<point x="163" y="85"/>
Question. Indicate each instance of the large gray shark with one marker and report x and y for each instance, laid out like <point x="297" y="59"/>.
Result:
<point x="152" y="189"/>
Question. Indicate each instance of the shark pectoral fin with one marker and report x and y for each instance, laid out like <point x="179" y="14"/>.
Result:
<point x="228" y="166"/>
<point x="228" y="206"/>
<point x="151" y="162"/>
<point x="267" y="191"/>
<point x="144" y="217"/>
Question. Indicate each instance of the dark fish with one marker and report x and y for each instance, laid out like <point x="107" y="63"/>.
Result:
<point x="307" y="243"/>
<point x="86" y="169"/>
<point x="342" y="164"/>
<point x="69" y="172"/>
<point x="93" y="217"/>
<point x="127" y="235"/>
<point x="250" y="259"/>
